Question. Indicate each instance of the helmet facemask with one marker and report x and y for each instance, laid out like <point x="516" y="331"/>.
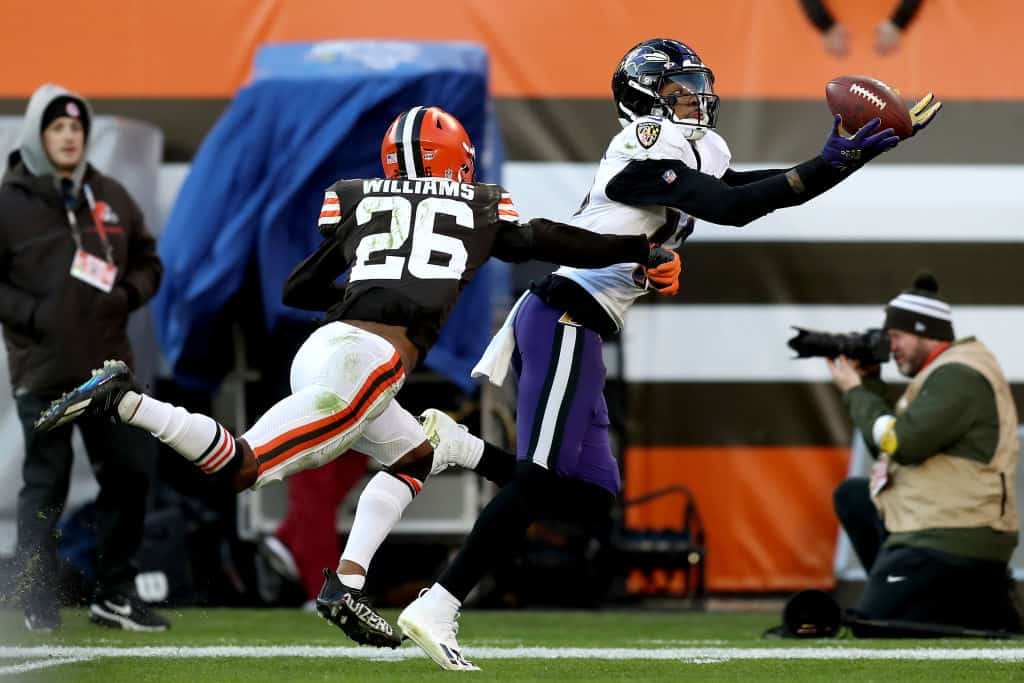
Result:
<point x="695" y="92"/>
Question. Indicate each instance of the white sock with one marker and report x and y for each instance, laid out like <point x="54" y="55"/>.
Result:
<point x="379" y="509"/>
<point x="356" y="581"/>
<point x="474" y="451"/>
<point x="200" y="439"/>
<point x="440" y="596"/>
<point x="128" y="405"/>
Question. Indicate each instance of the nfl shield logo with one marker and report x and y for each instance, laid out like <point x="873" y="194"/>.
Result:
<point x="647" y="133"/>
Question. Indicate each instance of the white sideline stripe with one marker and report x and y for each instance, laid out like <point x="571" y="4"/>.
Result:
<point x="697" y="654"/>
<point x="39" y="664"/>
<point x="747" y="342"/>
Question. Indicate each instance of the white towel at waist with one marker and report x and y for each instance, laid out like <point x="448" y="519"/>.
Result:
<point x="498" y="355"/>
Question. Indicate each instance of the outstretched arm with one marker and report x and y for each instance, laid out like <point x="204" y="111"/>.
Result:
<point x="567" y="245"/>
<point x="734" y="178"/>
<point x="670" y="182"/>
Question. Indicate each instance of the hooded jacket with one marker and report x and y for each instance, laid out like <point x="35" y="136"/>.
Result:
<point x="57" y="328"/>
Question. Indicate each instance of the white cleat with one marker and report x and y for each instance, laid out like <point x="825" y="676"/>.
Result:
<point x="433" y="628"/>
<point x="452" y="442"/>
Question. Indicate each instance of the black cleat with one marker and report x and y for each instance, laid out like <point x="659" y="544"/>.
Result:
<point x="349" y="610"/>
<point x="99" y="395"/>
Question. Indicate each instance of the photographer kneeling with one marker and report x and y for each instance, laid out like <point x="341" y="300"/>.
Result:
<point x="938" y="538"/>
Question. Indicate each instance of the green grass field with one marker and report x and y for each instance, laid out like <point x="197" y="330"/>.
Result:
<point x="290" y="645"/>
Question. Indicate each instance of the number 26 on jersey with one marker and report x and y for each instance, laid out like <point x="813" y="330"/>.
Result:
<point x="424" y="240"/>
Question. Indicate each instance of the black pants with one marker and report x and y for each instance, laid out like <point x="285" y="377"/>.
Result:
<point x="922" y="585"/>
<point x="535" y="493"/>
<point x="928" y="586"/>
<point x="859" y="518"/>
<point x="123" y="460"/>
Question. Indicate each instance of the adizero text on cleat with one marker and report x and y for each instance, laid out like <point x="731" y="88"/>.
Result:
<point x="351" y="611"/>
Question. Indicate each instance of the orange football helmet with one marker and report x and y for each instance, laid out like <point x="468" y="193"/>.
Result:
<point x="428" y="142"/>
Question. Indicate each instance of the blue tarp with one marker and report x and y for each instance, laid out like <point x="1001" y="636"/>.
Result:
<point x="314" y="113"/>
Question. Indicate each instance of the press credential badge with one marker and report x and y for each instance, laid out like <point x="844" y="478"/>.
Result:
<point x="93" y="271"/>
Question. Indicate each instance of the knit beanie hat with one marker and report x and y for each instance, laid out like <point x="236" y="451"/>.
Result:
<point x="920" y="311"/>
<point x="66" y="105"/>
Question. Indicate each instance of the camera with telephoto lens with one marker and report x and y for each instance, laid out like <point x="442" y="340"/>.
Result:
<point x="870" y="347"/>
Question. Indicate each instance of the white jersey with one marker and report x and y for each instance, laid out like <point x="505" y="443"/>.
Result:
<point x="615" y="287"/>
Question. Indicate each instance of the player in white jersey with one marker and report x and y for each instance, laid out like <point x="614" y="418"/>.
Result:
<point x="647" y="138"/>
<point x="666" y="167"/>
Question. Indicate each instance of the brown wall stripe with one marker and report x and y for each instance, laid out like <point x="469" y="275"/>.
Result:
<point x="763" y="130"/>
<point x="844" y="272"/>
<point x="579" y="129"/>
<point x="743" y="413"/>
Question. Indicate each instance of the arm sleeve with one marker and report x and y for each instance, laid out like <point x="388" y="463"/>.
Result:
<point x="567" y="245"/>
<point x="736" y="178"/>
<point x="143" y="270"/>
<point x="904" y="13"/>
<point x="648" y="182"/>
<point x="818" y="14"/>
<point x="311" y="286"/>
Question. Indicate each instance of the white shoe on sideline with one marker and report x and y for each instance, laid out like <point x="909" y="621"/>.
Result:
<point x="433" y="626"/>
<point x="452" y="442"/>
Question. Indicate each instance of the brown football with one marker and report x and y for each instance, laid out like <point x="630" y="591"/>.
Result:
<point x="858" y="99"/>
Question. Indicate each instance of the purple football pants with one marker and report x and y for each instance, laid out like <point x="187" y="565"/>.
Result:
<point x="562" y="417"/>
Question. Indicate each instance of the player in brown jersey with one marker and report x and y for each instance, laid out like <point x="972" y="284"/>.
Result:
<point x="410" y="243"/>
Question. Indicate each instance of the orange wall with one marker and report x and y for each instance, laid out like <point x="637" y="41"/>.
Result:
<point x="758" y="48"/>
<point x="767" y="511"/>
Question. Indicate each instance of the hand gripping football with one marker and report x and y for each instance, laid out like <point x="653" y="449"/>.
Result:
<point x="858" y="99"/>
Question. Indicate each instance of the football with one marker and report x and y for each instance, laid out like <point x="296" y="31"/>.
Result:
<point x="858" y="99"/>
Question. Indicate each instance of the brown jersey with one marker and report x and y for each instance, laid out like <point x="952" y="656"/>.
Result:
<point x="412" y="245"/>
